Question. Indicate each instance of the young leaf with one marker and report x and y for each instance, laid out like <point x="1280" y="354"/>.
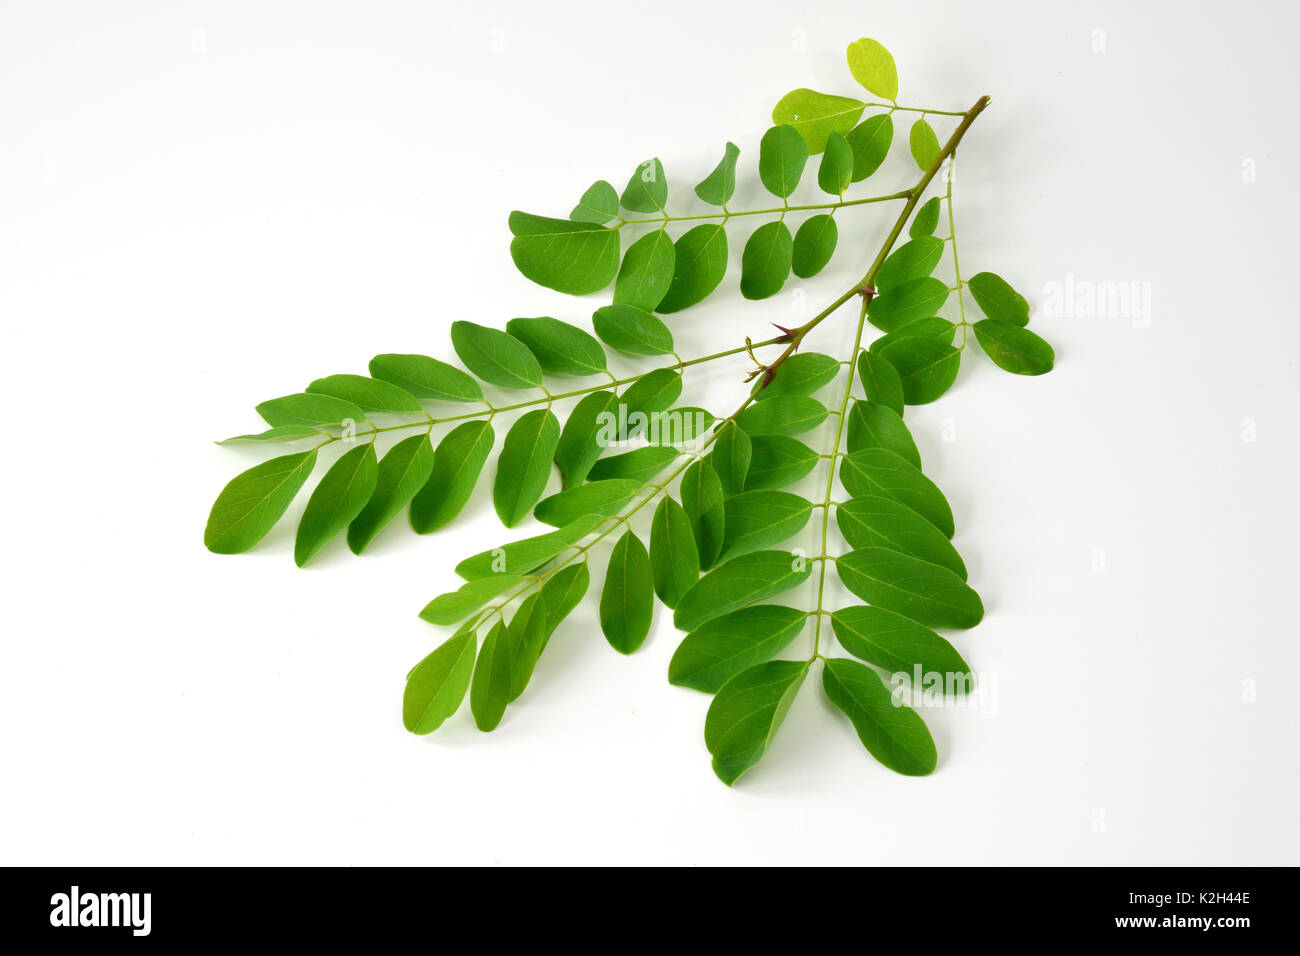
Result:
<point x="720" y="185"/>
<point x="907" y="302"/>
<point x="339" y="498"/>
<point x="1013" y="348"/>
<point x="766" y="262"/>
<point x="523" y="641"/>
<point x="878" y="426"/>
<point x="760" y="519"/>
<point x="402" y="472"/>
<point x="495" y="356"/>
<point x="899" y="645"/>
<point x="893" y="734"/>
<point x="524" y="465"/>
<point x="873" y="66"/>
<point x="880" y="381"/>
<point x="746" y="713"/>
<point x="739" y="583"/>
<point x="674" y="559"/>
<point x="875" y="522"/>
<point x="927" y="367"/>
<point x="633" y="330"/>
<point x="306" y="409"/>
<point x="699" y="265"/>
<point x="933" y="327"/>
<point x="561" y="593"/>
<point x="627" y="601"/>
<point x="782" y="155"/>
<point x="560" y="348"/>
<point x="426" y="377"/>
<point x="875" y="471"/>
<point x="571" y="257"/>
<point x="593" y="498"/>
<point x="702" y="499"/>
<point x="792" y="415"/>
<point x="527" y="554"/>
<point x="599" y="204"/>
<point x="801" y="374"/>
<point x="454" y="606"/>
<point x="711" y="655"/>
<point x="816" y="115"/>
<point x="778" y="461"/>
<point x="997" y="299"/>
<point x="250" y="505"/>
<point x="814" y="244"/>
<point x="911" y="260"/>
<point x="836" y="170"/>
<point x="732" y="450"/>
<point x="924" y="144"/>
<point x="490" y="691"/>
<point x="457" y="463"/>
<point x="925" y="592"/>
<point x="437" y="685"/>
<point x="371" y="395"/>
<point x="277" y="434"/>
<point x="647" y="190"/>
<point x="927" y="219"/>
<point x="647" y="271"/>
<point x="579" y="446"/>
<point x="639" y="465"/>
<point x="870" y="141"/>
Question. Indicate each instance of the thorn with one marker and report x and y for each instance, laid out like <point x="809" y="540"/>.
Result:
<point x="787" y="335"/>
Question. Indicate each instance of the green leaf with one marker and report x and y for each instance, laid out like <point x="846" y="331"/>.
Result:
<point x="647" y="271"/>
<point x="437" y="685"/>
<point x="873" y="66"/>
<point x="927" y="367"/>
<point x="639" y="465"/>
<point x="647" y="190"/>
<point x="579" y="446"/>
<point x="927" y="219"/>
<point x="633" y="330"/>
<point x="782" y="155"/>
<point x="426" y="377"/>
<point x="495" y="356"/>
<point x="778" y="461"/>
<point x="870" y="141"/>
<point x="792" y="415"/>
<point x="836" y="170"/>
<point x="880" y="381"/>
<point x="801" y="374"/>
<point x="760" y="519"/>
<point x="700" y="264"/>
<point x="523" y="640"/>
<point x="627" y="600"/>
<point x="571" y="257"/>
<point x="685" y="425"/>
<point x="907" y="302"/>
<point x="525" y="465"/>
<point x="674" y="558"/>
<point x="816" y="115"/>
<point x="720" y="185"/>
<point x="702" y="499"/>
<point x="878" y="426"/>
<point x="933" y="327"/>
<point x="739" y="583"/>
<point x="490" y="691"/>
<point x="714" y="653"/>
<point x="527" y="554"/>
<point x="765" y="264"/>
<point x="997" y="299"/>
<point x="457" y="463"/>
<point x="454" y="606"/>
<point x="652" y="393"/>
<point x="875" y="522"/>
<point x="875" y="471"/>
<point x="732" y="450"/>
<point x="814" y="244"/>
<point x="306" y="409"/>
<point x="924" y="144"/>
<point x="593" y="498"/>
<point x="1013" y="348"/>
<point x="278" y="434"/>
<point x="746" y="713"/>
<point x="925" y="592"/>
<point x="402" y="472"/>
<point x="371" y="395"/>
<point x="560" y="348"/>
<point x="599" y="204"/>
<point x="899" y="645"/>
<point x="339" y="498"/>
<point x="911" y="260"/>
<point x="250" y="505"/>
<point x="561" y="593"/>
<point x="893" y="734"/>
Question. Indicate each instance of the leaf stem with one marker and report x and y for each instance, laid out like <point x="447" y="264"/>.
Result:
<point x="725" y="214"/>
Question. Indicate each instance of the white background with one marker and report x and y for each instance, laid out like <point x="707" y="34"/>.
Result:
<point x="204" y="205"/>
